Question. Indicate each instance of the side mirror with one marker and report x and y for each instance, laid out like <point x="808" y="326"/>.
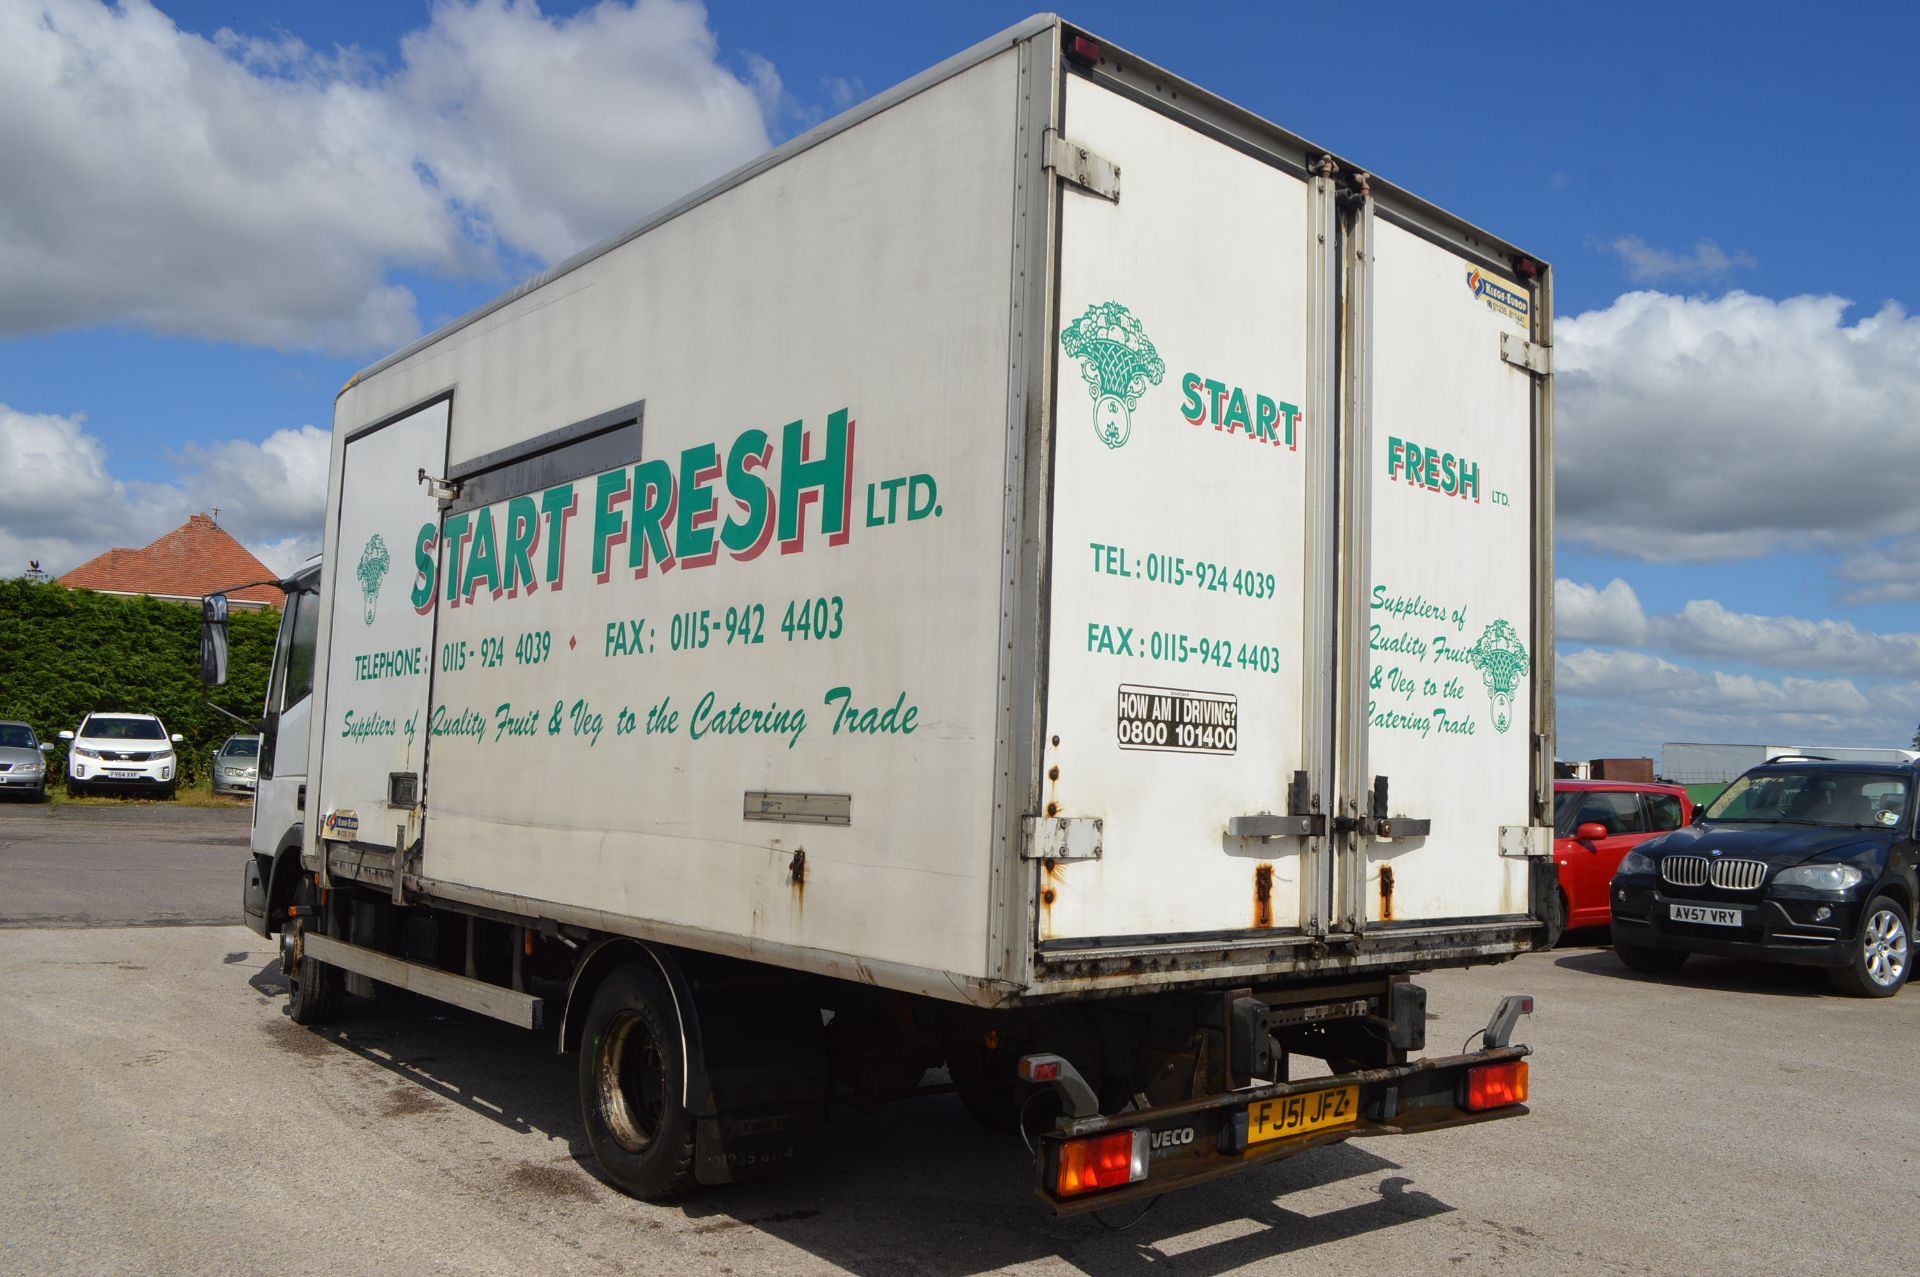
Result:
<point x="1699" y="814"/>
<point x="213" y="640"/>
<point x="1592" y="831"/>
<point x="45" y="747"/>
<point x="66" y="735"/>
<point x="176" y="738"/>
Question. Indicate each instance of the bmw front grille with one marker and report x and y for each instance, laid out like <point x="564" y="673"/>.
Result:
<point x="1728" y="875"/>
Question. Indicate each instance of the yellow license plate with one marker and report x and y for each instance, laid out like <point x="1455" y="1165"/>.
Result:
<point x="1302" y="1114"/>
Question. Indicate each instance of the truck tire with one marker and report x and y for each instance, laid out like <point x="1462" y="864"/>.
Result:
<point x="313" y="992"/>
<point x="632" y="1086"/>
<point x="1882" y="954"/>
<point x="1555" y="929"/>
<point x="1653" y="961"/>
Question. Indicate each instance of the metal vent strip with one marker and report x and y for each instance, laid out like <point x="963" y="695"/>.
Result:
<point x="1685" y="871"/>
<point x="1739" y="875"/>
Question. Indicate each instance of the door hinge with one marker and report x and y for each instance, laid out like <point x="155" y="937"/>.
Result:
<point x="442" y="490"/>
<point x="1085" y="169"/>
<point x="1520" y="842"/>
<point x="1530" y="356"/>
<point x="1063" y="838"/>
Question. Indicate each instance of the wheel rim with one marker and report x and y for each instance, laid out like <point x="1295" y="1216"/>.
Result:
<point x="632" y="1078"/>
<point x="1884" y="948"/>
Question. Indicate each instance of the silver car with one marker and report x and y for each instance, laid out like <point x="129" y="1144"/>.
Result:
<point x="23" y="763"/>
<point x="236" y="765"/>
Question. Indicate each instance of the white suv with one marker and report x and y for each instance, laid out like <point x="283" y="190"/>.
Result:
<point x="121" y="751"/>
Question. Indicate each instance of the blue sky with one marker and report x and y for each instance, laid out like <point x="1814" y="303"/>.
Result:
<point x="216" y="213"/>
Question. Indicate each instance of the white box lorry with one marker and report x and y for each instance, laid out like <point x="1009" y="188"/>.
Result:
<point x="1047" y="574"/>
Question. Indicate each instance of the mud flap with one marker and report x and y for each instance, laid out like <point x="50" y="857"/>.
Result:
<point x="1543" y="901"/>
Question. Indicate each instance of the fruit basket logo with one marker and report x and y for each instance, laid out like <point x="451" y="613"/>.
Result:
<point x="1502" y="661"/>
<point x="1118" y="362"/>
<point x="374" y="562"/>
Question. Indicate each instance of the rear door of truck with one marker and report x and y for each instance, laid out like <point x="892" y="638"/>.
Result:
<point x="1293" y="621"/>
<point x="1187" y="632"/>
<point x="1444" y="614"/>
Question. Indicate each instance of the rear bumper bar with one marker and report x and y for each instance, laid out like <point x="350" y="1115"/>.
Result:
<point x="1194" y="1141"/>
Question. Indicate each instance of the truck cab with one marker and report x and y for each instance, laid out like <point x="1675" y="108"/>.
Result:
<point x="279" y="802"/>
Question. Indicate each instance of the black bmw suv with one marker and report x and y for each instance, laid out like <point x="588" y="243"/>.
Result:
<point x="1800" y="860"/>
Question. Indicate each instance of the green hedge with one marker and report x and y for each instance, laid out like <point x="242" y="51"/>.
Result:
<point x="65" y="653"/>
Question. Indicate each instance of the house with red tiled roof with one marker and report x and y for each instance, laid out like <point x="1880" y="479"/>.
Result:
<point x="195" y="559"/>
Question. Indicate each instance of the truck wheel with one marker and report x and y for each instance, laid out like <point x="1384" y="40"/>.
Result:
<point x="1656" y="961"/>
<point x="632" y="1086"/>
<point x="313" y="992"/>
<point x="1556" y="923"/>
<point x="1882" y="954"/>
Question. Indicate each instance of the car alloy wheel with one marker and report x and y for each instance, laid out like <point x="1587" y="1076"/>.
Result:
<point x="1881" y="958"/>
<point x="1883" y="946"/>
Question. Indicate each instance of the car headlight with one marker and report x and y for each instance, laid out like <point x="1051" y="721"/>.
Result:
<point x="30" y="769"/>
<point x="1820" y="877"/>
<point x="85" y="753"/>
<point x="1636" y="862"/>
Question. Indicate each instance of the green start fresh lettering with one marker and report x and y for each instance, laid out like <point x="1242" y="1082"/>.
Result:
<point x="1118" y="362"/>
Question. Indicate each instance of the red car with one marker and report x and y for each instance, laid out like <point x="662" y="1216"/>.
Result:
<point x="1595" y="824"/>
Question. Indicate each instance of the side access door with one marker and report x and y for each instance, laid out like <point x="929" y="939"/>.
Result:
<point x="1186" y="722"/>
<point x="368" y="779"/>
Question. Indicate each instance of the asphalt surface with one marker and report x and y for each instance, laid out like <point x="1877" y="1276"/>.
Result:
<point x="159" y="1113"/>
<point x="120" y="864"/>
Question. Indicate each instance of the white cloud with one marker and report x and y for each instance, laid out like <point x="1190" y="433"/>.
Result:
<point x="1887" y="573"/>
<point x="1706" y="264"/>
<point x="1626" y="703"/>
<point x="1640" y="678"/>
<point x="1694" y="428"/>
<point x="1706" y="628"/>
<point x="843" y="91"/>
<point x="61" y="505"/>
<point x="1584" y="614"/>
<point x="559" y="131"/>
<point x="259" y="191"/>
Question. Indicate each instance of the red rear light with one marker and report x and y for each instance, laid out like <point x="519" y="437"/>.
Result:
<point x="1100" y="1161"/>
<point x="1040" y="1068"/>
<point x="1081" y="49"/>
<point x="1494" y="1086"/>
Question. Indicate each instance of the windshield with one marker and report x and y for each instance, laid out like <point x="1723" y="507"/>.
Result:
<point x="1565" y="802"/>
<point x="17" y="736"/>
<point x="1872" y="800"/>
<point x="241" y="747"/>
<point x="122" y="728"/>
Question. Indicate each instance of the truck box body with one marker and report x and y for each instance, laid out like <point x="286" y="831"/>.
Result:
<point x="987" y="548"/>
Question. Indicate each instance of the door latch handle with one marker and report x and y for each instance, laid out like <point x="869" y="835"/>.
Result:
<point x="1268" y="825"/>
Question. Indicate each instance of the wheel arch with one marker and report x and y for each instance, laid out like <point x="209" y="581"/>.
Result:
<point x="1897" y="890"/>
<point x="283" y="876"/>
<point x="607" y="955"/>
